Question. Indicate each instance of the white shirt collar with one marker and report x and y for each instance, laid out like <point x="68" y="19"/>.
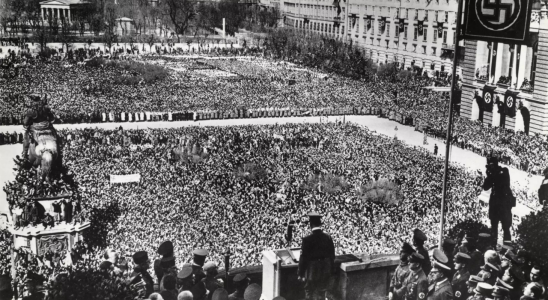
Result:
<point x="442" y="281"/>
<point x="316" y="228"/>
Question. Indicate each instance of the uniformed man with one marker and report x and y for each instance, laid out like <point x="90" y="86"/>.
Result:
<point x="140" y="273"/>
<point x="501" y="200"/>
<point x="461" y="276"/>
<point x="402" y="271"/>
<point x="317" y="261"/>
<point x="168" y="267"/>
<point x="483" y="291"/>
<point x="185" y="278"/>
<point x="253" y="292"/>
<point x="489" y="273"/>
<point x="472" y="283"/>
<point x="211" y="283"/>
<point x="220" y="294"/>
<point x="448" y="246"/>
<point x="543" y="189"/>
<point x="165" y="250"/>
<point x="415" y="286"/>
<point x="533" y="290"/>
<point x="500" y="293"/>
<point x="198" y="264"/>
<point x="440" y="288"/>
<point x="418" y="241"/>
<point x="240" y="284"/>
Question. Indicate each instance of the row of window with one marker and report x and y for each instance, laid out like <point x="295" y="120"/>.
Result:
<point x="330" y="10"/>
<point x="329" y="28"/>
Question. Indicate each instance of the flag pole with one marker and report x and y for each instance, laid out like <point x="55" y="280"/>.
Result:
<point x="450" y="123"/>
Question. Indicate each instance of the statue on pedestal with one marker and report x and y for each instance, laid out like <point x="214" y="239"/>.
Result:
<point x="40" y="141"/>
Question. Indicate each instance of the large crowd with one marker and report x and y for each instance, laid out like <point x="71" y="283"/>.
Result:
<point x="206" y="202"/>
<point x="85" y="94"/>
<point x="235" y="188"/>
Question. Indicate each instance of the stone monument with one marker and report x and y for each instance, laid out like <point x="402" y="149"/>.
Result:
<point x="44" y="223"/>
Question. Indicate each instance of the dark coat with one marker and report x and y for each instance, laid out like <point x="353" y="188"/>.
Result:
<point x="500" y="201"/>
<point x="414" y="287"/>
<point x="317" y="256"/>
<point x="426" y="265"/>
<point x="440" y="291"/>
<point x="543" y="192"/>
<point x="459" y="285"/>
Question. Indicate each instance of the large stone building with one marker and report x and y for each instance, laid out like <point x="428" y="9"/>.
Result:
<point x="515" y="76"/>
<point x="375" y="26"/>
<point x="517" y="71"/>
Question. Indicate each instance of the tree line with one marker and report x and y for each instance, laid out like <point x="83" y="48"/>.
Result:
<point x="171" y="18"/>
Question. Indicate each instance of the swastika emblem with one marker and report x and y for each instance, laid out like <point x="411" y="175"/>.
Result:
<point x="510" y="101"/>
<point x="497" y="15"/>
<point x="487" y="98"/>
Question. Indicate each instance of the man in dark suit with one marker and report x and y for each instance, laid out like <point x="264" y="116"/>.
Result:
<point x="418" y="241"/>
<point x="501" y="200"/>
<point x="317" y="261"/>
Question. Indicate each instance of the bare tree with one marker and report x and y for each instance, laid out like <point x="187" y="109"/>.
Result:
<point x="150" y="40"/>
<point x="181" y="13"/>
<point x="66" y="35"/>
<point x="110" y="36"/>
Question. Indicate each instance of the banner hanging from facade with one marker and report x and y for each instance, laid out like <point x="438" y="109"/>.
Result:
<point x="503" y="21"/>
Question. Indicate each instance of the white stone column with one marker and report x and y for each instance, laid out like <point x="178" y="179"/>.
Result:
<point x="522" y="62"/>
<point x="68" y="15"/>
<point x="42" y="11"/>
<point x="519" y="121"/>
<point x="475" y="110"/>
<point x="496" y="115"/>
<point x="498" y="67"/>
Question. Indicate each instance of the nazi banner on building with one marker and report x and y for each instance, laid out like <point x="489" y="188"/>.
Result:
<point x="504" y="21"/>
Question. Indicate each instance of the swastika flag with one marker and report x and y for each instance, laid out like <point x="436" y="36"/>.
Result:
<point x="505" y="21"/>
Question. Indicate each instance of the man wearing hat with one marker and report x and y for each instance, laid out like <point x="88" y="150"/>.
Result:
<point x="505" y="287"/>
<point x="535" y="276"/>
<point x="476" y="257"/>
<point x="489" y="273"/>
<point x="210" y="282"/>
<point x="415" y="286"/>
<point x="253" y="292"/>
<point x="472" y="283"/>
<point x="220" y="294"/>
<point x="317" y="261"/>
<point x="418" y="241"/>
<point x="170" y="287"/>
<point x="140" y="272"/>
<point x="240" y="283"/>
<point x="483" y="291"/>
<point x="461" y="276"/>
<point x="500" y="293"/>
<point x="501" y="200"/>
<point x="402" y="271"/>
<point x="185" y="278"/>
<point x="533" y="291"/>
<point x="198" y="264"/>
<point x="448" y="246"/>
<point x="168" y="268"/>
<point x="543" y="189"/>
<point x="440" y="288"/>
<point x="165" y="250"/>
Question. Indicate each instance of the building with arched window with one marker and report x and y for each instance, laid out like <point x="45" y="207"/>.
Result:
<point x="507" y="85"/>
<point x="390" y="31"/>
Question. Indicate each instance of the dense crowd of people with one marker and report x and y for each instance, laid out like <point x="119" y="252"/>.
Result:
<point x="235" y="189"/>
<point x="173" y="194"/>
<point x="85" y="94"/>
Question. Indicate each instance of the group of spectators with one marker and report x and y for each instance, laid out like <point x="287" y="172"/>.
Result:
<point x="83" y="94"/>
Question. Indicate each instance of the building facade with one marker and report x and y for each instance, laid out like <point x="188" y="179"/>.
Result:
<point x="387" y="30"/>
<point x="507" y="85"/>
<point x="519" y="71"/>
